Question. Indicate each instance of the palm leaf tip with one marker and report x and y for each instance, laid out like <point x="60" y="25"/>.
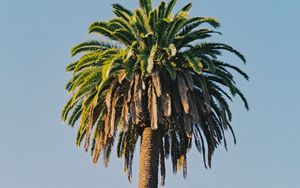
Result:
<point x="92" y="46"/>
<point x="243" y="98"/>
<point x="170" y="7"/>
<point x="212" y="21"/>
<point x="146" y="5"/>
<point x="119" y="7"/>
<point x="187" y="7"/>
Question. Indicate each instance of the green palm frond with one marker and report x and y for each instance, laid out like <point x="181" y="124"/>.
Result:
<point x="120" y="8"/>
<point x="101" y="28"/>
<point x="146" y="5"/>
<point x="170" y="7"/>
<point x="243" y="98"/>
<point x="221" y="46"/>
<point x="194" y="23"/>
<point x="187" y="7"/>
<point x="162" y="10"/>
<point x="91" y="46"/>
<point x="200" y="34"/>
<point x="238" y="70"/>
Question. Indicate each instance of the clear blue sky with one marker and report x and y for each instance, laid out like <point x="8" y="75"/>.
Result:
<point x="38" y="150"/>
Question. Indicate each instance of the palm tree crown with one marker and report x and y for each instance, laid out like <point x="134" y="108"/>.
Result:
<point x="155" y="70"/>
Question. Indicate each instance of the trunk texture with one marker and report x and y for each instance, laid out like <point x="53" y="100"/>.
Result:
<point x="149" y="159"/>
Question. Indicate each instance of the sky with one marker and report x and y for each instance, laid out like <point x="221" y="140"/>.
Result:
<point x="38" y="151"/>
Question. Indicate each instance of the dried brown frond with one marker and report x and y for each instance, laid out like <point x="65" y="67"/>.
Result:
<point x="183" y="89"/>
<point x="187" y="119"/>
<point x="156" y="83"/>
<point x="138" y="99"/>
<point x="152" y="107"/>
<point x="166" y="104"/>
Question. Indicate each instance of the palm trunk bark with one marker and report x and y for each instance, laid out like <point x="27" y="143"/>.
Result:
<point x="149" y="159"/>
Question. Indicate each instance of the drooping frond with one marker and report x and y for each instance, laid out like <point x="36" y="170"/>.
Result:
<point x="101" y="28"/>
<point x="91" y="46"/>
<point x="221" y="46"/>
<point x="194" y="23"/>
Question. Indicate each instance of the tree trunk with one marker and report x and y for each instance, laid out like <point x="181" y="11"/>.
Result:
<point x="149" y="159"/>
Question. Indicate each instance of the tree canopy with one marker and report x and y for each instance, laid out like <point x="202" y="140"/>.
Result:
<point x="153" y="68"/>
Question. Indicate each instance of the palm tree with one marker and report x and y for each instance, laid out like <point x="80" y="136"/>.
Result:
<point x="155" y="78"/>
